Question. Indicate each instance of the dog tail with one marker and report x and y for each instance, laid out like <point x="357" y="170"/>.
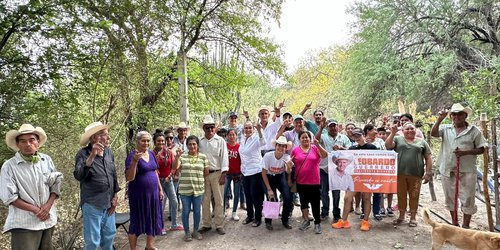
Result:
<point x="427" y="219"/>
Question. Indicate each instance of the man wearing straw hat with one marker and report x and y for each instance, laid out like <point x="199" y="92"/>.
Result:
<point x="215" y="148"/>
<point x="29" y="185"/>
<point x="182" y="134"/>
<point x="461" y="143"/>
<point x="96" y="172"/>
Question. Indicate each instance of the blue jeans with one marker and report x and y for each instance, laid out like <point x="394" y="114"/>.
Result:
<point x="325" y="197"/>
<point x="237" y="190"/>
<point x="169" y="193"/>
<point x="99" y="228"/>
<point x="280" y="182"/>
<point x="254" y="193"/>
<point x="187" y="202"/>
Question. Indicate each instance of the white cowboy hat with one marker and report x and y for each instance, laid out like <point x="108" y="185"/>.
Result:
<point x="182" y="125"/>
<point x="343" y="156"/>
<point x="263" y="107"/>
<point x="282" y="141"/>
<point x="207" y="120"/>
<point x="90" y="130"/>
<point x="457" y="107"/>
<point x="10" y="137"/>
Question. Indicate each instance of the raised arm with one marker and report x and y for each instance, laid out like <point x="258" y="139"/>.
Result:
<point x="389" y="142"/>
<point x="435" y="128"/>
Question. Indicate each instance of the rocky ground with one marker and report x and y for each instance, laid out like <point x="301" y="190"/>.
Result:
<point x="383" y="235"/>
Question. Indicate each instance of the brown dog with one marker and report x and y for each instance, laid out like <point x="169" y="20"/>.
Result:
<point x="460" y="237"/>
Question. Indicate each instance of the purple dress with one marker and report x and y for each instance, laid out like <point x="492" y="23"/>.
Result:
<point x="146" y="216"/>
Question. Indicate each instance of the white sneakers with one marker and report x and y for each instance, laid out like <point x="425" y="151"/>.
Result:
<point x="235" y="217"/>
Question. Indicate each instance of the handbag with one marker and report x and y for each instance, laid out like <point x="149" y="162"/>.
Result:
<point x="271" y="209"/>
<point x="294" y="174"/>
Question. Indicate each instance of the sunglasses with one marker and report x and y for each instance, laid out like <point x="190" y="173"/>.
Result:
<point x="169" y="138"/>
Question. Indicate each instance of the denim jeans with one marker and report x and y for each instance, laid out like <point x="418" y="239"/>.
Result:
<point x="254" y="193"/>
<point x="99" y="228"/>
<point x="170" y="194"/>
<point x="236" y="188"/>
<point x="325" y="197"/>
<point x="187" y="202"/>
<point x="280" y="182"/>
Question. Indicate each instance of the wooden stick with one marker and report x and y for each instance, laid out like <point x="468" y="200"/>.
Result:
<point x="495" y="169"/>
<point x="485" y="175"/>
<point x="431" y="181"/>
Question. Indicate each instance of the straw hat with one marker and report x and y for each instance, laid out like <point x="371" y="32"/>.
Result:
<point x="182" y="125"/>
<point x="10" y="137"/>
<point x="90" y="130"/>
<point x="282" y="141"/>
<point x="457" y="108"/>
<point x="343" y="156"/>
<point x="207" y="120"/>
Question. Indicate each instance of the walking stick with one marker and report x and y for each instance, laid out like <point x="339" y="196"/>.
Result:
<point x="455" y="209"/>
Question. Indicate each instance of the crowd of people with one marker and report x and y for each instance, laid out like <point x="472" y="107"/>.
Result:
<point x="278" y="157"/>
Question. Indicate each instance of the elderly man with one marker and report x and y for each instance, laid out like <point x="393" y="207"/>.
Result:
<point x="331" y="141"/>
<point x="459" y="141"/>
<point x="96" y="172"/>
<point x="29" y="185"/>
<point x="340" y="179"/>
<point x="270" y="127"/>
<point x="215" y="148"/>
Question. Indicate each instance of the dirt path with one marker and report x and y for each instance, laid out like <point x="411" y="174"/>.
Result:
<point x="383" y="235"/>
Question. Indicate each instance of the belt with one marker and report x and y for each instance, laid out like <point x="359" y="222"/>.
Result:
<point x="213" y="171"/>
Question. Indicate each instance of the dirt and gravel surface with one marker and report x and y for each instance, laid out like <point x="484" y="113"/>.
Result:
<point x="383" y="235"/>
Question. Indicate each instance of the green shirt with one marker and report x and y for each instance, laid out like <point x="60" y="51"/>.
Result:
<point x="411" y="156"/>
<point x="192" y="181"/>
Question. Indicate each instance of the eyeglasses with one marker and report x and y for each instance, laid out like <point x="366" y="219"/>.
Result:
<point x="248" y="128"/>
<point x="208" y="127"/>
<point x="169" y="138"/>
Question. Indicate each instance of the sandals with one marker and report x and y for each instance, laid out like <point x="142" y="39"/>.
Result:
<point x="397" y="221"/>
<point x="413" y="223"/>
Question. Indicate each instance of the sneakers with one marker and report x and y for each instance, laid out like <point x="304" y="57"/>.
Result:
<point x="317" y="228"/>
<point x="177" y="228"/>
<point x="287" y="225"/>
<point x="358" y="211"/>
<point x="305" y="225"/>
<point x="341" y="224"/>
<point x="365" y="225"/>
<point x="235" y="217"/>
<point x="378" y="217"/>
<point x="382" y="212"/>
<point x="361" y="216"/>
<point x="197" y="236"/>
<point x="390" y="213"/>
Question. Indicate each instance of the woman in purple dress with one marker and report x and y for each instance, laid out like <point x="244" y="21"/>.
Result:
<point x="144" y="192"/>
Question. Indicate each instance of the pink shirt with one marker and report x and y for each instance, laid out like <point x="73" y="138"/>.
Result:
<point x="306" y="165"/>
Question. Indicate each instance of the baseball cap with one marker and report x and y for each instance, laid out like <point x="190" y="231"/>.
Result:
<point x="233" y="114"/>
<point x="298" y="117"/>
<point x="330" y="122"/>
<point x="287" y="113"/>
<point x="357" y="131"/>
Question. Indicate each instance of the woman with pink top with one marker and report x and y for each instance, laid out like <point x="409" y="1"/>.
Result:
<point x="306" y="158"/>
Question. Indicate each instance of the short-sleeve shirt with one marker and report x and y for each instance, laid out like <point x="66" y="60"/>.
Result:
<point x="272" y="165"/>
<point x="411" y="156"/>
<point x="343" y="182"/>
<point x="328" y="142"/>
<point x="468" y="139"/>
<point x="306" y="165"/>
<point x="192" y="181"/>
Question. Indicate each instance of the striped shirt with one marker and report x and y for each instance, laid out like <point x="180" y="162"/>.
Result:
<point x="32" y="183"/>
<point x="192" y="181"/>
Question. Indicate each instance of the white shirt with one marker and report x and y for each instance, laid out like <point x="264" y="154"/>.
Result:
<point x="215" y="149"/>
<point x="32" y="183"/>
<point x="273" y="165"/>
<point x="251" y="159"/>
<point x="270" y="133"/>
<point x="338" y="182"/>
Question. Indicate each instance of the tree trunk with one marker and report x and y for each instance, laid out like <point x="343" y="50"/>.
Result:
<point x="183" y="86"/>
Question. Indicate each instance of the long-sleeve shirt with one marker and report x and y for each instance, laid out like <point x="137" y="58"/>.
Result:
<point x="215" y="149"/>
<point x="251" y="159"/>
<point x="32" y="183"/>
<point x="99" y="182"/>
<point x="269" y="133"/>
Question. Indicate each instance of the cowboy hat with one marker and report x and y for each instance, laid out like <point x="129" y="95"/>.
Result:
<point x="182" y="125"/>
<point x="90" y="130"/>
<point x="342" y="156"/>
<point x="263" y="107"/>
<point x="457" y="108"/>
<point x="207" y="120"/>
<point x="282" y="141"/>
<point x="10" y="137"/>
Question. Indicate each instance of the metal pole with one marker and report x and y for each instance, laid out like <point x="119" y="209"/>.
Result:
<point x="485" y="174"/>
